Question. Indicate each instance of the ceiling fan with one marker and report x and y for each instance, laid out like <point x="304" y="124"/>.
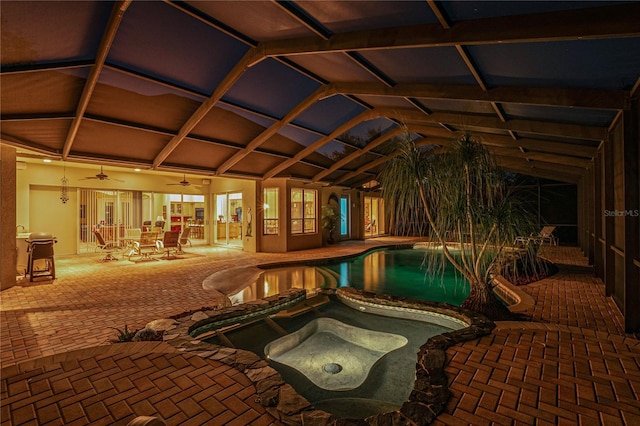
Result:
<point x="101" y="176"/>
<point x="183" y="182"/>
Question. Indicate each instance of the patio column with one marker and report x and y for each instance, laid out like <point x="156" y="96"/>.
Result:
<point x="589" y="216"/>
<point x="598" y="217"/>
<point x="8" y="257"/>
<point x="609" y="224"/>
<point x="631" y="120"/>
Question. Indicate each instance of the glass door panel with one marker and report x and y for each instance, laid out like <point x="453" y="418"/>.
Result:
<point x="373" y="216"/>
<point x="229" y="219"/>
<point x="235" y="219"/>
<point x="220" y="232"/>
<point x="344" y="217"/>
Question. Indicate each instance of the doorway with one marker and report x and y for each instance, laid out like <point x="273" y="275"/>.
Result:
<point x="373" y="216"/>
<point x="344" y="218"/>
<point x="228" y="214"/>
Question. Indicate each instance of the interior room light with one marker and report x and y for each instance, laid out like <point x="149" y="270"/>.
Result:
<point x="266" y="206"/>
<point x="137" y="170"/>
<point x="47" y="160"/>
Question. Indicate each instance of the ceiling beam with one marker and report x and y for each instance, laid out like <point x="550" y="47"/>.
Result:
<point x="544" y="174"/>
<point x="28" y="144"/>
<point x="250" y="58"/>
<point x="509" y="159"/>
<point x="196" y="138"/>
<point x="574" y="131"/>
<point x="558" y="160"/>
<point x="471" y="66"/>
<point x="321" y="92"/>
<point x="440" y="14"/>
<point x="542" y="165"/>
<point x="364" y="116"/>
<point x="599" y="22"/>
<point x="546" y="96"/>
<point x="538" y="170"/>
<point x="291" y="9"/>
<point x="551" y="147"/>
<point x="117" y="12"/>
<point x="370" y="165"/>
<point x="49" y="66"/>
<point x="358" y="153"/>
<point x="208" y="20"/>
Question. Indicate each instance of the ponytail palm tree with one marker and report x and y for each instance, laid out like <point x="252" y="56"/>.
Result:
<point x="470" y="211"/>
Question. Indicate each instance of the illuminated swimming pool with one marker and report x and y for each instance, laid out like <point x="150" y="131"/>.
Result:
<point x="397" y="272"/>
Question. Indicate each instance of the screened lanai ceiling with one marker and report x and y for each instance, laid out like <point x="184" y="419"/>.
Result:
<point x="315" y="90"/>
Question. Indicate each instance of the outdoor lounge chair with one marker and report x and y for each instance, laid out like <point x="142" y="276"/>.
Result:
<point x="545" y="236"/>
<point x="107" y="247"/>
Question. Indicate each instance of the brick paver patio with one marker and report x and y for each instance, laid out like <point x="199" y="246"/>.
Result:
<point x="572" y="365"/>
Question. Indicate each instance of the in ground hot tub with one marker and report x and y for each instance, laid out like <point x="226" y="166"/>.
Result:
<point x="335" y="356"/>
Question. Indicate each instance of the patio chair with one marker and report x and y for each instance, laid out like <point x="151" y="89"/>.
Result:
<point x="184" y="239"/>
<point x="371" y="227"/>
<point x="170" y="242"/>
<point x="545" y="236"/>
<point x="131" y="235"/>
<point x="146" y="246"/>
<point x="106" y="247"/>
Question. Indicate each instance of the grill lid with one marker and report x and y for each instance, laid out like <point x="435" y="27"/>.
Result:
<point x="41" y="236"/>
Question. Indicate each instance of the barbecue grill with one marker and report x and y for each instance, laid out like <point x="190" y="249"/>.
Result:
<point x="40" y="249"/>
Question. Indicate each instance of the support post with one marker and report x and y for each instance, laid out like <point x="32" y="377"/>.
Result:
<point x="8" y="255"/>
<point x="631" y="121"/>
<point x="609" y="227"/>
<point x="597" y="215"/>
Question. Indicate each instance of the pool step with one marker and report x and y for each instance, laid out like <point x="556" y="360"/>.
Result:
<point x="331" y="277"/>
<point x="224" y="339"/>
<point x="303" y="307"/>
<point x="274" y="325"/>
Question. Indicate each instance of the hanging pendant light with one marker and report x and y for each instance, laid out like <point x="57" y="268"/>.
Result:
<point x="64" y="189"/>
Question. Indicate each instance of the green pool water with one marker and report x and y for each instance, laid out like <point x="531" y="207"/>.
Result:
<point x="397" y="272"/>
<point x="400" y="273"/>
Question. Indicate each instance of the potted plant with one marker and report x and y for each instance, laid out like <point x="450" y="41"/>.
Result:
<point x="329" y="221"/>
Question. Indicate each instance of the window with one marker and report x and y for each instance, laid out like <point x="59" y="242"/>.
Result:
<point x="303" y="211"/>
<point x="271" y="217"/>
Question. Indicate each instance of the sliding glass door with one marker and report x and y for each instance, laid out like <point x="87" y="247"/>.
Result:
<point x="110" y="212"/>
<point x="373" y="216"/>
<point x="228" y="219"/>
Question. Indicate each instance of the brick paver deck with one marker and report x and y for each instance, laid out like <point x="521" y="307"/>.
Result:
<point x="573" y="365"/>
